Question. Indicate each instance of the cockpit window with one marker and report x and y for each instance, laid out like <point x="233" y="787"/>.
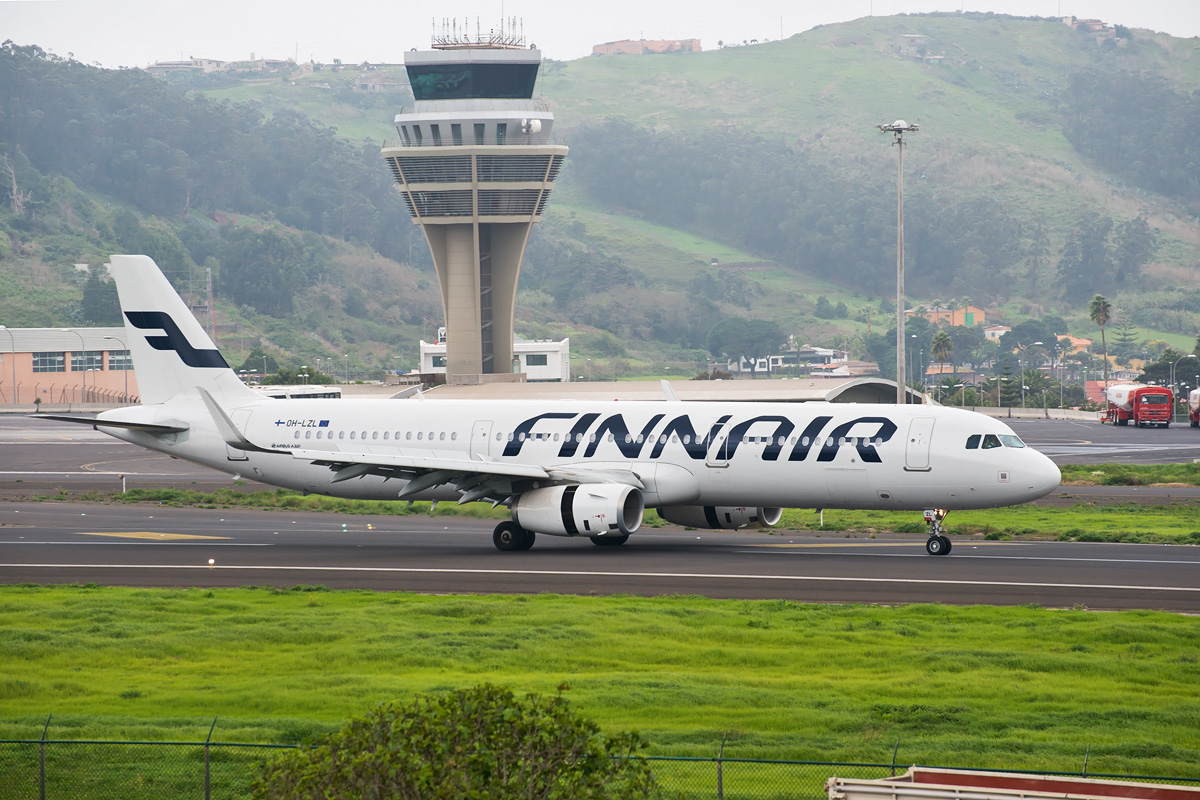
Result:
<point x="1012" y="441"/>
<point x="973" y="441"/>
<point x="991" y="440"/>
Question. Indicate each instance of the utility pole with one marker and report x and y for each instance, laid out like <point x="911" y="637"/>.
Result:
<point x="898" y="129"/>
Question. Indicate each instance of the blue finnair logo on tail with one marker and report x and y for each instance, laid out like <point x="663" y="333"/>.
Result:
<point x="174" y="339"/>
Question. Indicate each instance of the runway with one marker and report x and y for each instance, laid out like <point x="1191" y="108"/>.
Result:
<point x="144" y="545"/>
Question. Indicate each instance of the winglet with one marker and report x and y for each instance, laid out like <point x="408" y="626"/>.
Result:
<point x="669" y="392"/>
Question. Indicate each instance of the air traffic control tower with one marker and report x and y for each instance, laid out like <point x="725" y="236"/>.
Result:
<point x="476" y="165"/>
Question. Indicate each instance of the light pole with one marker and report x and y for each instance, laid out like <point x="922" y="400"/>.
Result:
<point x="347" y="368"/>
<point x="126" y="370"/>
<point x="83" y="354"/>
<point x="1021" y="363"/>
<point x="962" y="396"/>
<point x="304" y="373"/>
<point x="12" y="358"/>
<point x="910" y="379"/>
<point x="898" y="129"/>
<point x="1173" y="366"/>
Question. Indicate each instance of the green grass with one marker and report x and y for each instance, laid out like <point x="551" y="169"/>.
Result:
<point x="1015" y="687"/>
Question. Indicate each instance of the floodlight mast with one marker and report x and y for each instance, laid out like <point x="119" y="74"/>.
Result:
<point x="898" y="129"/>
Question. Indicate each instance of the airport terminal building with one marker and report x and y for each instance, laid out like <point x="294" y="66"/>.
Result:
<point x="65" y="365"/>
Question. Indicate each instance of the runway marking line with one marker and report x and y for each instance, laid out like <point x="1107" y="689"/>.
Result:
<point x="153" y="535"/>
<point x="869" y="544"/>
<point x="607" y="574"/>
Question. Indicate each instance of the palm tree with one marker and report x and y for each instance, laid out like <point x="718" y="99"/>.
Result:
<point x="940" y="348"/>
<point x="1100" y="311"/>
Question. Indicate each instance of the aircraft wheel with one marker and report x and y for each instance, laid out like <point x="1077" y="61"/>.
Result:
<point x="527" y="541"/>
<point x="946" y="544"/>
<point x="509" y="536"/>
<point x="937" y="545"/>
<point x="610" y="541"/>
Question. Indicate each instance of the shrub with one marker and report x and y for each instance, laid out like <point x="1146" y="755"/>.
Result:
<point x="479" y="742"/>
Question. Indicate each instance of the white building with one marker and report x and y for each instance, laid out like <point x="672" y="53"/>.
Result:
<point x="541" y="360"/>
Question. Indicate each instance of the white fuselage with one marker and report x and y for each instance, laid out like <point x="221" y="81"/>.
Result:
<point x="806" y="455"/>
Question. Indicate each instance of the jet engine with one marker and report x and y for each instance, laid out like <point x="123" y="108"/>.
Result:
<point x="589" y="509"/>
<point x="721" y="517"/>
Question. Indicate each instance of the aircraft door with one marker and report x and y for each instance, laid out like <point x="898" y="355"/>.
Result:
<point x="239" y="417"/>
<point x="481" y="438"/>
<point x="920" y="434"/>
<point x="718" y="450"/>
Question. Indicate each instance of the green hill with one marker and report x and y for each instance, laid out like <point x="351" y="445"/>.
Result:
<point x="1040" y="147"/>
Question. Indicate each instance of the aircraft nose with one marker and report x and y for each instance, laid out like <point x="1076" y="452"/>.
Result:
<point x="1044" y="476"/>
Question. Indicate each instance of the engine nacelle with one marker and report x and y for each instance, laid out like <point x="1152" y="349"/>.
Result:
<point x="589" y="509"/>
<point x="721" y="517"/>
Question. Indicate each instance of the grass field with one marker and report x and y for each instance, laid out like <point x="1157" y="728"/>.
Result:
<point x="1016" y="687"/>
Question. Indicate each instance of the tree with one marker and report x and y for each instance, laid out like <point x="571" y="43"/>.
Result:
<point x="1100" y="312"/>
<point x="738" y="338"/>
<point x="100" y="304"/>
<point x="941" y="347"/>
<point x="479" y="742"/>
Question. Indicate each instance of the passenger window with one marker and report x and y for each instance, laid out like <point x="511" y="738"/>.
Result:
<point x="374" y="434"/>
<point x="386" y="434"/>
<point x="297" y="434"/>
<point x="442" y="436"/>
<point x="991" y="440"/>
<point x="973" y="441"/>
<point x="341" y="434"/>
<point x="408" y="436"/>
<point x="351" y="434"/>
<point x="308" y="434"/>
<point x="453" y="436"/>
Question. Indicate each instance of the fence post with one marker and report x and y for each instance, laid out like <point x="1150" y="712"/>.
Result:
<point x="721" y="768"/>
<point x="207" y="774"/>
<point x="42" y="760"/>
<point x="895" y="750"/>
<point x="1086" y="754"/>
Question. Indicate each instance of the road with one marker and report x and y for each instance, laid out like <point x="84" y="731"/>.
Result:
<point x="140" y="545"/>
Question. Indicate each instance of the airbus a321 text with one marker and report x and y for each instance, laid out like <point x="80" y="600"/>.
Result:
<point x="563" y="467"/>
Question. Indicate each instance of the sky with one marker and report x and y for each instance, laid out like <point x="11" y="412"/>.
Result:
<point x="116" y="33"/>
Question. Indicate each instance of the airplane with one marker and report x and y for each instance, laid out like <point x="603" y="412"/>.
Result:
<point x="563" y="467"/>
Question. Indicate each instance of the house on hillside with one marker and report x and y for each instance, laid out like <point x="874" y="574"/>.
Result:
<point x="970" y="316"/>
<point x="637" y="47"/>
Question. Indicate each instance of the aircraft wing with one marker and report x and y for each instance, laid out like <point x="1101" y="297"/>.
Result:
<point x="476" y="479"/>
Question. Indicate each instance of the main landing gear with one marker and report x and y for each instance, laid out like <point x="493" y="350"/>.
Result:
<point x="511" y="536"/>
<point x="939" y="543"/>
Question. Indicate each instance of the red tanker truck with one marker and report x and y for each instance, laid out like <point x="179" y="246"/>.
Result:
<point x="1145" y="405"/>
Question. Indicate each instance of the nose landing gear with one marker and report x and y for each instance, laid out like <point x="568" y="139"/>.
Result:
<point x="938" y="543"/>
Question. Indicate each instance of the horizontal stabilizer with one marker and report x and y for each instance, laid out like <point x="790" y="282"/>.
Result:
<point x="148" y="427"/>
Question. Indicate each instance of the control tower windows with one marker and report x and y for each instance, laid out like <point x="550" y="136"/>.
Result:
<point x="417" y="134"/>
<point x="501" y="132"/>
<point x="456" y="133"/>
<point x="472" y="81"/>
<point x="479" y="132"/>
<point x="437" y="135"/>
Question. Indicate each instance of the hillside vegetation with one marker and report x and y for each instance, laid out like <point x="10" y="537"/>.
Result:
<point x="1051" y="165"/>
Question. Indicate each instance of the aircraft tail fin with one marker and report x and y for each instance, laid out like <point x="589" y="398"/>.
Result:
<point x="171" y="352"/>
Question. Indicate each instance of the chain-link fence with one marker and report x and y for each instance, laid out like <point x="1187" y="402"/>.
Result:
<point x="50" y="769"/>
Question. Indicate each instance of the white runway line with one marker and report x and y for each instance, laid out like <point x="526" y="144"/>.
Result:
<point x="600" y="574"/>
